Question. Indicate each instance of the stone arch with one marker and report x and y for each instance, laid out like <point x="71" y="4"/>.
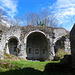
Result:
<point x="59" y="44"/>
<point x="37" y="46"/>
<point x="55" y="40"/>
<point x="25" y="39"/>
<point x="12" y="45"/>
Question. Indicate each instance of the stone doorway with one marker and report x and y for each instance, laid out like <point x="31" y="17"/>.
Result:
<point x="37" y="46"/>
<point x="12" y="46"/>
<point x="59" y="45"/>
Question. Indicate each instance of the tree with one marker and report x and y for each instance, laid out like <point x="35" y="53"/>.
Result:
<point x="48" y="18"/>
<point x="53" y="20"/>
<point x="31" y="18"/>
<point x="44" y="13"/>
<point x="44" y="18"/>
<point x="19" y="20"/>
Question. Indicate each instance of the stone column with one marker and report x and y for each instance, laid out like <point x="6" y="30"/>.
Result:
<point x="7" y="49"/>
<point x="22" y="51"/>
<point x="51" y="49"/>
<point x="1" y="52"/>
<point x="67" y="46"/>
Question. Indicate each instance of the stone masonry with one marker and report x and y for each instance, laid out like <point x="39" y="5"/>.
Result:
<point x="72" y="39"/>
<point x="32" y="42"/>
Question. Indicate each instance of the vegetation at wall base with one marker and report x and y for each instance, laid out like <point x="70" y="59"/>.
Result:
<point x="10" y="57"/>
<point x="60" y="54"/>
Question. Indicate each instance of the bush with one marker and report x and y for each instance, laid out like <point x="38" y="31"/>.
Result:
<point x="60" y="54"/>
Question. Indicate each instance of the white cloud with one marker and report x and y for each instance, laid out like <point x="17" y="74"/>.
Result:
<point x="10" y="6"/>
<point x="65" y="9"/>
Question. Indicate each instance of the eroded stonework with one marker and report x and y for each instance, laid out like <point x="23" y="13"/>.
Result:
<point x="32" y="42"/>
<point x="72" y="39"/>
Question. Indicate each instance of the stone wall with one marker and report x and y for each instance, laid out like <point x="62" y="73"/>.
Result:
<point x="72" y="39"/>
<point x="59" y="32"/>
<point x="67" y="45"/>
<point x="63" y="43"/>
<point x="21" y="40"/>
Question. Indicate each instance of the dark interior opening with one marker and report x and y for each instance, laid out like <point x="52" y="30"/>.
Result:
<point x="37" y="46"/>
<point x="12" y="45"/>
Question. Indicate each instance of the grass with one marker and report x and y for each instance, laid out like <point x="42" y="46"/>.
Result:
<point x="25" y="67"/>
<point x="12" y="65"/>
<point x="37" y="65"/>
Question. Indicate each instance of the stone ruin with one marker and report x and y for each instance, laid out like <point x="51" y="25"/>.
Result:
<point x="72" y="39"/>
<point x="34" y="42"/>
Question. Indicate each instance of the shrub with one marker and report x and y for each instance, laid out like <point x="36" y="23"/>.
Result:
<point x="60" y="54"/>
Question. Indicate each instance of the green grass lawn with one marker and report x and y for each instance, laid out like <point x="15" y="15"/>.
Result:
<point x="26" y="67"/>
<point x="37" y="65"/>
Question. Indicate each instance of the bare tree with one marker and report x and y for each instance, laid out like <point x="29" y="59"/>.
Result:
<point x="32" y="18"/>
<point x="44" y="18"/>
<point x="53" y="22"/>
<point x="19" y="20"/>
<point x="48" y="18"/>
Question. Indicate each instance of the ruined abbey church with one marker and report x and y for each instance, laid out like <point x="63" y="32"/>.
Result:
<point x="33" y="42"/>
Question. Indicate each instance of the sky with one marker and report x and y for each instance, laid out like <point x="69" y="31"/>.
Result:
<point x="64" y="9"/>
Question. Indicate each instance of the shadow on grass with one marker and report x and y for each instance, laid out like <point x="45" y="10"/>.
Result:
<point x="24" y="71"/>
<point x="62" y="68"/>
<point x="50" y="69"/>
<point x="58" y="69"/>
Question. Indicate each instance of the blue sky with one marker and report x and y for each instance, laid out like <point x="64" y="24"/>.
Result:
<point x="33" y="5"/>
<point x="64" y="9"/>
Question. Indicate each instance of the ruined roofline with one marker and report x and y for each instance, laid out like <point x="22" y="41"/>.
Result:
<point x="37" y="27"/>
<point x="16" y="26"/>
<point x="31" y="26"/>
<point x="28" y="26"/>
<point x="44" y="27"/>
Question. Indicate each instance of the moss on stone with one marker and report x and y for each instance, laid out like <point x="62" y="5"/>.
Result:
<point x="60" y="54"/>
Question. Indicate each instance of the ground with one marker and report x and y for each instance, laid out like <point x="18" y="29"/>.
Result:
<point x="25" y="67"/>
